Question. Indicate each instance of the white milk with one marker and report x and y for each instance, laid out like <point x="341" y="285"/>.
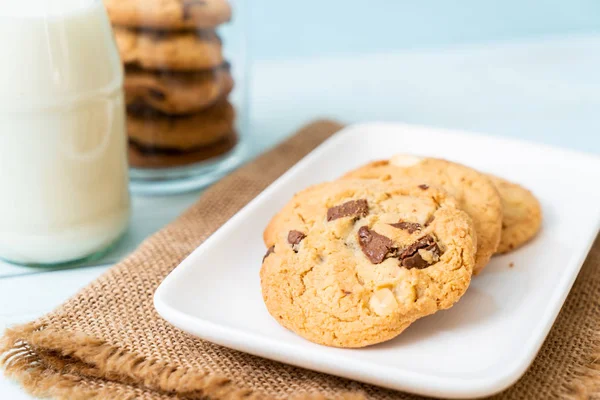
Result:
<point x="63" y="167"/>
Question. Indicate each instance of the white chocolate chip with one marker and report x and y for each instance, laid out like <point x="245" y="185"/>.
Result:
<point x="405" y="293"/>
<point x="383" y="302"/>
<point x="405" y="160"/>
<point x="383" y="274"/>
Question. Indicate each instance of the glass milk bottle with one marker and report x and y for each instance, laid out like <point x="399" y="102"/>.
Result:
<point x="63" y="162"/>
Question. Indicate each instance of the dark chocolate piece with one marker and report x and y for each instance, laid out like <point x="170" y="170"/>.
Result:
<point x="424" y="186"/>
<point x="356" y="208"/>
<point x="410" y="257"/>
<point x="375" y="246"/>
<point x="295" y="237"/>
<point x="411" y="227"/>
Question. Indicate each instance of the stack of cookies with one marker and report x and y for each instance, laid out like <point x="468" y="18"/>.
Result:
<point x="354" y="262"/>
<point x="177" y="81"/>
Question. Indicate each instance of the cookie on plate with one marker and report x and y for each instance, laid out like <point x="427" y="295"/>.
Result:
<point x="169" y="14"/>
<point x="352" y="263"/>
<point x="522" y="215"/>
<point x="177" y="93"/>
<point x="475" y="193"/>
<point x="148" y="128"/>
<point x="174" y="51"/>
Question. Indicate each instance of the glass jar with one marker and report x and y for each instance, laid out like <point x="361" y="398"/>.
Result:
<point x="185" y="87"/>
<point x="63" y="166"/>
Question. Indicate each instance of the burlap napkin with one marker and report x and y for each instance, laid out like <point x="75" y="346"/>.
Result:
<point x="108" y="342"/>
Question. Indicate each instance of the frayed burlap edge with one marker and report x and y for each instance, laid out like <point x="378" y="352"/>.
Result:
<point x="586" y="385"/>
<point x="102" y="361"/>
<point x="21" y="360"/>
<point x="58" y="379"/>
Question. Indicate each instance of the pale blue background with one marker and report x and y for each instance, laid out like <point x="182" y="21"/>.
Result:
<point x="528" y="69"/>
<point x="283" y="29"/>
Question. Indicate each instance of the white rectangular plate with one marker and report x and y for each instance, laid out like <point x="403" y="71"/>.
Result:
<point x="481" y="345"/>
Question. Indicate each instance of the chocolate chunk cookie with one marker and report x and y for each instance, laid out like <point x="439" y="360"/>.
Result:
<point x="141" y="156"/>
<point x="175" y="51"/>
<point x="169" y="14"/>
<point x="522" y="215"/>
<point x="474" y="192"/>
<point x="151" y="129"/>
<point x="177" y="93"/>
<point x="354" y="262"/>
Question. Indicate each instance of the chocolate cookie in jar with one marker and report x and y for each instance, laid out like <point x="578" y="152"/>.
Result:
<point x="185" y="89"/>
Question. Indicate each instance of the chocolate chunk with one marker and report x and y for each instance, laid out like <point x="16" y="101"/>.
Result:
<point x="411" y="258"/>
<point x="188" y="4"/>
<point x="269" y="251"/>
<point x="295" y="237"/>
<point x="357" y="208"/>
<point x="157" y="94"/>
<point x="424" y="186"/>
<point x="375" y="246"/>
<point x="411" y="227"/>
<point x="415" y="261"/>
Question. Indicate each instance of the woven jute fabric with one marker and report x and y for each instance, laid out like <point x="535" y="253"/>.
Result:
<point x="107" y="342"/>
